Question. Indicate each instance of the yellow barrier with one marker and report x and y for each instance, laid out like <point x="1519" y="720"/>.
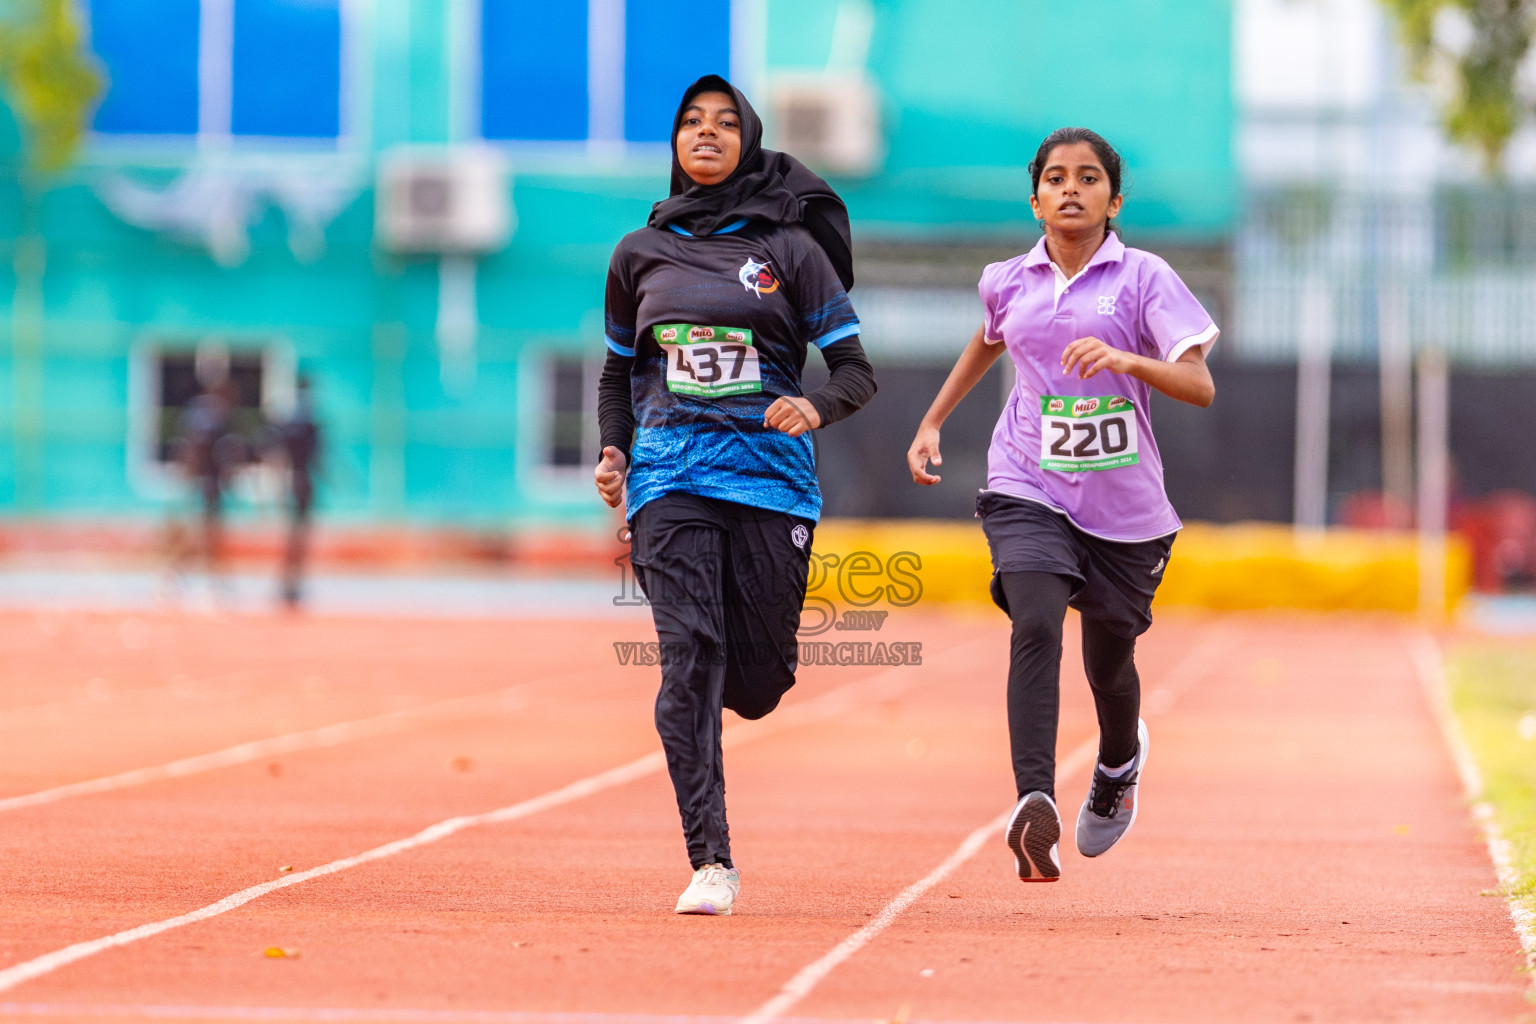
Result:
<point x="1228" y="567"/>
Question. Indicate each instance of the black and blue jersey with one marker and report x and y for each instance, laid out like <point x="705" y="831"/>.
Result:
<point x="714" y="329"/>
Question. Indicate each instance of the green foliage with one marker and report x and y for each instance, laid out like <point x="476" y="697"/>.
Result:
<point x="50" y="80"/>
<point x="1485" y="108"/>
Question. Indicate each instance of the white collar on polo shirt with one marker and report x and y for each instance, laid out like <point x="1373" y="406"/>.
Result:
<point x="1111" y="251"/>
<point x="1062" y="281"/>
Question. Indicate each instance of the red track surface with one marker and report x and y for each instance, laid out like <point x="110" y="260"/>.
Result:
<point x="1303" y="852"/>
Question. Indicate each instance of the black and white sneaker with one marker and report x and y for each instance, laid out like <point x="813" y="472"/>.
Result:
<point x="1034" y="830"/>
<point x="1110" y="810"/>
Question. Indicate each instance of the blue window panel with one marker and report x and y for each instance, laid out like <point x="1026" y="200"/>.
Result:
<point x="287" y="68"/>
<point x="669" y="44"/>
<point x="149" y="48"/>
<point x="533" y="60"/>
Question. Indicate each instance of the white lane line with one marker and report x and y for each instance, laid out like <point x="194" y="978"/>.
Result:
<point x="882" y="686"/>
<point x="78" y="1011"/>
<point x="383" y="1015"/>
<point x="289" y="743"/>
<point x="797" y="988"/>
<point x="49" y="962"/>
<point x="800" y="986"/>
<point x="1430" y="667"/>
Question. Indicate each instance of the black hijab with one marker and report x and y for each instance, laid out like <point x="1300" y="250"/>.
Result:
<point x="766" y="185"/>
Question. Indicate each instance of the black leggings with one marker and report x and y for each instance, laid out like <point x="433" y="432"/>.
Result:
<point x="726" y="583"/>
<point x="1037" y="603"/>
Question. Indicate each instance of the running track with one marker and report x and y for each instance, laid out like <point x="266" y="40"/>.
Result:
<point x="1304" y="851"/>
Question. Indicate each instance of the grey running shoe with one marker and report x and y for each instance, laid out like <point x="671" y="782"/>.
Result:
<point x="1110" y="810"/>
<point x="1033" y="832"/>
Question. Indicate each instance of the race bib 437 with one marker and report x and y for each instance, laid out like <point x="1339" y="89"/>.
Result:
<point x="709" y="362"/>
<point x="1078" y="434"/>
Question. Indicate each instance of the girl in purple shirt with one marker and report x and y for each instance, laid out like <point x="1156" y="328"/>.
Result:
<point x="1074" y="509"/>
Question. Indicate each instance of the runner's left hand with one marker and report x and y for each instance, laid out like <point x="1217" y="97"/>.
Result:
<point x="1090" y="355"/>
<point x="793" y="416"/>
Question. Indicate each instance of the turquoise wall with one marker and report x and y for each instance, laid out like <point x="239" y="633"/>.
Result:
<point x="969" y="88"/>
<point x="972" y="86"/>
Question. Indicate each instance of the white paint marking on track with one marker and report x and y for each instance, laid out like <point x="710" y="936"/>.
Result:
<point x="385" y="1015"/>
<point x="797" y="988"/>
<point x="289" y="743"/>
<point x="800" y="986"/>
<point x="1430" y="666"/>
<point x="882" y="686"/>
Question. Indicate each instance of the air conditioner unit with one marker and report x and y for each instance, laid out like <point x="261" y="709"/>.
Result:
<point x="830" y="121"/>
<point x="451" y="200"/>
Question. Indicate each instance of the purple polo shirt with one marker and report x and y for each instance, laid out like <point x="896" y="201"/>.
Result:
<point x="1085" y="447"/>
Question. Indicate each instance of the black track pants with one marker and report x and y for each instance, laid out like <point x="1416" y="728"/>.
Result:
<point x="1037" y="603"/>
<point x="726" y="583"/>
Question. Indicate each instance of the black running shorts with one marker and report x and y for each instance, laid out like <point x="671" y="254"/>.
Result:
<point x="1113" y="581"/>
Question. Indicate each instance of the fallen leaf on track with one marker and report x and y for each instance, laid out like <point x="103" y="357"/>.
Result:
<point x="279" y="953"/>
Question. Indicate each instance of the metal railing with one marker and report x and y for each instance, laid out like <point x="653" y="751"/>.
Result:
<point x="1456" y="268"/>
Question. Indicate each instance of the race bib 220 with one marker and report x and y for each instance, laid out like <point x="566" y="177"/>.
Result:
<point x="1078" y="434"/>
<point x="709" y="362"/>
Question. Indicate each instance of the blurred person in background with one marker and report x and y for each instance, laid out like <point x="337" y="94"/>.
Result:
<point x="1074" y="510"/>
<point x="710" y="311"/>
<point x="209" y="452"/>
<point x="297" y="439"/>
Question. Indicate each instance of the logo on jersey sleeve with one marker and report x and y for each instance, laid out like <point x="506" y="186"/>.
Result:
<point x="756" y="277"/>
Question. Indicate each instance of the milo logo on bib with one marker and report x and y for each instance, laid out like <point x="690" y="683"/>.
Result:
<point x="1080" y="434"/>
<point x="709" y="362"/>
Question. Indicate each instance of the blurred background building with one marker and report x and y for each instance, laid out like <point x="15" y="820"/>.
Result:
<point x="413" y="202"/>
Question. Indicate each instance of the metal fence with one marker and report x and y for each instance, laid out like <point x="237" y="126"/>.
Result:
<point x="1453" y="269"/>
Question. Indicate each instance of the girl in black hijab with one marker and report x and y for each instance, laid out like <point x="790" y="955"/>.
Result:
<point x="710" y="311"/>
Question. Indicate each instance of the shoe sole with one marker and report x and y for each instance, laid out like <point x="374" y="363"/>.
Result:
<point x="1032" y="831"/>
<point x="705" y="909"/>
<point x="1144" y="742"/>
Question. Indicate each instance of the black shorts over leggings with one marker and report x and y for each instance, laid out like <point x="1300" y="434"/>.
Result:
<point x="1042" y="565"/>
<point x="1113" y="581"/>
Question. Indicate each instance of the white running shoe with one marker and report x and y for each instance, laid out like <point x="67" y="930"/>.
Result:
<point x="712" y="891"/>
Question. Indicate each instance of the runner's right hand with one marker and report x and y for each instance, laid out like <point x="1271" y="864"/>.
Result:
<point x="925" y="447"/>
<point x="609" y="476"/>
